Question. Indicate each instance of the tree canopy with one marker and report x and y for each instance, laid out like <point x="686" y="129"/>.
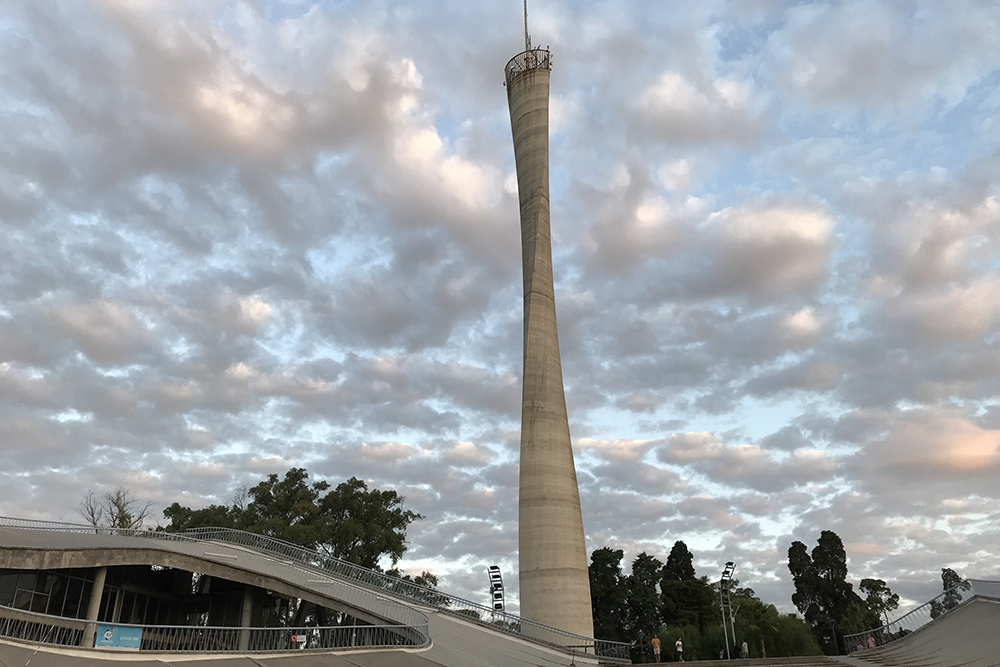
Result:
<point x="668" y="600"/>
<point x="879" y="598"/>
<point x="684" y="599"/>
<point x="608" y="594"/>
<point x="952" y="585"/>
<point x="643" y="615"/>
<point x="822" y="592"/>
<point x="349" y="521"/>
<point x="680" y="563"/>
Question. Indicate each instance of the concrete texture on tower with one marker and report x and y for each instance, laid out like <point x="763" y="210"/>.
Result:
<point x="554" y="583"/>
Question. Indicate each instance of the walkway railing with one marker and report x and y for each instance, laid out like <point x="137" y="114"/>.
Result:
<point x="394" y="586"/>
<point x="36" y="628"/>
<point x="923" y="615"/>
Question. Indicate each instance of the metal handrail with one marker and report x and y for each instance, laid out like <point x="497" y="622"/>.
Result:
<point x="921" y="616"/>
<point x="394" y="586"/>
<point x="526" y="61"/>
<point x="27" y="626"/>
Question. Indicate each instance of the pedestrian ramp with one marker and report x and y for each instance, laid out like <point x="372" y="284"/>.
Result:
<point x="967" y="636"/>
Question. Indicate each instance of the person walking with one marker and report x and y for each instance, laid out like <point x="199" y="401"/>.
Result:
<point x="744" y="651"/>
<point x="679" y="647"/>
<point x="656" y="648"/>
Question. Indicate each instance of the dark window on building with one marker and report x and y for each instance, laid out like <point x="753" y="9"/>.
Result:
<point x="73" y="608"/>
<point x="43" y="582"/>
<point x="88" y="587"/>
<point x="8" y="582"/>
<point x="57" y="595"/>
<point x="128" y="606"/>
<point x="26" y="580"/>
<point x="22" y="599"/>
<point x="39" y="603"/>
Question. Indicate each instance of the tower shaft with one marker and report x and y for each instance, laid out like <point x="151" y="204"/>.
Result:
<point x="554" y="581"/>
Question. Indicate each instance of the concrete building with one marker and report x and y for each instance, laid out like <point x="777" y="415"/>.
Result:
<point x="68" y="594"/>
<point x="554" y="582"/>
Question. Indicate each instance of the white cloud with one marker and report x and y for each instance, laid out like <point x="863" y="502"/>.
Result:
<point x="388" y="452"/>
<point x="234" y="243"/>
<point x="802" y="324"/>
<point x="676" y="108"/>
<point x="926" y="445"/>
<point x="874" y="53"/>
<point x="106" y="331"/>
<point x="621" y="451"/>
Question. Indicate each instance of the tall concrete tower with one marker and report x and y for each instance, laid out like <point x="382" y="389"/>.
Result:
<point x="554" y="582"/>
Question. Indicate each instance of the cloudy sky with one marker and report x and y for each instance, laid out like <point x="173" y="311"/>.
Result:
<point x="237" y="237"/>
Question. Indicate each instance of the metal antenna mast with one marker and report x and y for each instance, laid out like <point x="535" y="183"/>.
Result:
<point x="527" y="38"/>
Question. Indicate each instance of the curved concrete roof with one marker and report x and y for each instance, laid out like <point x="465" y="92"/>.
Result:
<point x="40" y="549"/>
<point x="454" y="642"/>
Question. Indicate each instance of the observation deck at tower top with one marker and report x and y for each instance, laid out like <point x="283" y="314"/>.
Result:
<point x="527" y="61"/>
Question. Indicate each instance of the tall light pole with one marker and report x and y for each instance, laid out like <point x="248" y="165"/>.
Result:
<point x="725" y="603"/>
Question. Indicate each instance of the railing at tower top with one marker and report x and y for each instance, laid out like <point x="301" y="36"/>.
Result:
<point x="526" y="61"/>
<point x="923" y="615"/>
<point x="285" y="551"/>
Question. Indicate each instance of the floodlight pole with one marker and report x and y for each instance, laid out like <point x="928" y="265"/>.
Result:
<point x="725" y="602"/>
<point x="725" y="630"/>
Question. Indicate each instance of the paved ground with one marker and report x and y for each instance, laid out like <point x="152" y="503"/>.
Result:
<point x="803" y="661"/>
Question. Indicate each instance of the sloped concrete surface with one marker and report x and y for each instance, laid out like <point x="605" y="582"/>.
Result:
<point x="800" y="661"/>
<point x="968" y="636"/>
<point x="455" y="642"/>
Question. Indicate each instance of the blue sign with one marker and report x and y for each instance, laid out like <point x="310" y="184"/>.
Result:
<point x="119" y="637"/>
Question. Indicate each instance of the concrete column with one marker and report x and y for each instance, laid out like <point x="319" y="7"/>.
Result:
<point x="246" y="617"/>
<point x="554" y="581"/>
<point x="94" y="607"/>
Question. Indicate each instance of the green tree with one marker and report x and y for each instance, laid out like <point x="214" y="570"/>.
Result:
<point x="689" y="602"/>
<point x="794" y="637"/>
<point x="760" y="622"/>
<point x="217" y="516"/>
<point x="685" y="599"/>
<point x="857" y="618"/>
<point x="365" y="525"/>
<point x="350" y="521"/>
<point x="642" y="618"/>
<point x="822" y="592"/>
<point x="953" y="586"/>
<point x="680" y="563"/>
<point x="690" y="636"/>
<point x="288" y="509"/>
<point x="879" y="598"/>
<point x="768" y="633"/>
<point x="607" y="593"/>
